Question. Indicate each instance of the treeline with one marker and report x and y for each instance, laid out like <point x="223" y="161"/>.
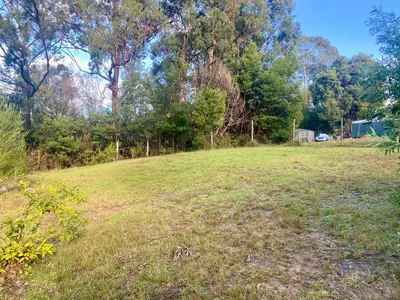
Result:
<point x="181" y="75"/>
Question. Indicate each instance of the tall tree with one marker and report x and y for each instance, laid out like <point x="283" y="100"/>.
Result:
<point x="59" y="93"/>
<point x="272" y="96"/>
<point x="315" y="54"/>
<point x="327" y="94"/>
<point x="92" y="94"/>
<point x="385" y="26"/>
<point x="115" y="33"/>
<point x="349" y="89"/>
<point x="32" y="33"/>
<point x="175" y="44"/>
<point x="282" y="31"/>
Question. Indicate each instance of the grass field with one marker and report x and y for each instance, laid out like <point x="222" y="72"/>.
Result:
<point x="278" y="222"/>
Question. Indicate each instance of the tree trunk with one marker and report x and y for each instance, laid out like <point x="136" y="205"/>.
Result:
<point x="305" y="78"/>
<point x="114" y="86"/>
<point x="210" y="59"/>
<point x="117" y="148"/>
<point x="341" y="129"/>
<point x="182" y="78"/>
<point x="147" y="147"/>
<point x="28" y="115"/>
<point x="252" y="131"/>
<point x="294" y="130"/>
<point x="116" y="65"/>
<point x="28" y="107"/>
<point x="115" y="106"/>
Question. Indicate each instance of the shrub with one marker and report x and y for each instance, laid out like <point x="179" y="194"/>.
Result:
<point x="61" y="139"/>
<point x="12" y="142"/>
<point x="396" y="198"/>
<point x="137" y="151"/>
<point x="201" y="141"/>
<point x="280" y="136"/>
<point x="225" y="141"/>
<point x="48" y="218"/>
<point x="107" y="155"/>
<point x="209" y="109"/>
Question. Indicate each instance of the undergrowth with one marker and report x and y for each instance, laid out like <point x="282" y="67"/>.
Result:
<point x="48" y="218"/>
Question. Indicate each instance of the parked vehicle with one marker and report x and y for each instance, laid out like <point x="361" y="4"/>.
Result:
<point x="322" y="137"/>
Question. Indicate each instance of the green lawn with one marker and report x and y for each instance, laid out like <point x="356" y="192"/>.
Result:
<point x="309" y="222"/>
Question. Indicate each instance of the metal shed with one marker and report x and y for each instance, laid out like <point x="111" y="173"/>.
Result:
<point x="361" y="128"/>
<point x="304" y="136"/>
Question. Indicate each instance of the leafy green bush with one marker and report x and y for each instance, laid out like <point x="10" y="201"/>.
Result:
<point x="12" y="142"/>
<point x="225" y="141"/>
<point x="396" y="198"/>
<point x="201" y="141"/>
<point x="228" y="141"/>
<point x="107" y="155"/>
<point x="209" y="109"/>
<point x="137" y="151"/>
<point x="280" y="136"/>
<point x="390" y="146"/>
<point x="48" y="218"/>
<point x="61" y="139"/>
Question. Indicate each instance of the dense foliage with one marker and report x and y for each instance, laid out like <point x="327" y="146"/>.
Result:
<point x="48" y="218"/>
<point x="12" y="145"/>
<point x="386" y="27"/>
<point x="351" y="89"/>
<point x="209" y="109"/>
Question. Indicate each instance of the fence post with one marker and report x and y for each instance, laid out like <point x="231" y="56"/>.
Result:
<point x="252" y="131"/>
<point x="341" y="130"/>
<point x="147" y="147"/>
<point x="117" y="147"/>
<point x="294" y="130"/>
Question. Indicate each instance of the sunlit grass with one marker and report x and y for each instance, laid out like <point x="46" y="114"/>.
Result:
<point x="235" y="224"/>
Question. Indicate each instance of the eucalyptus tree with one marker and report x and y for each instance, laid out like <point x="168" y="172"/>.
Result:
<point x="315" y="54"/>
<point x="175" y="46"/>
<point x="32" y="34"/>
<point x="115" y="34"/>
<point x="205" y="40"/>
<point x="349" y="89"/>
<point x="282" y="30"/>
<point x="385" y="26"/>
<point x="58" y="95"/>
